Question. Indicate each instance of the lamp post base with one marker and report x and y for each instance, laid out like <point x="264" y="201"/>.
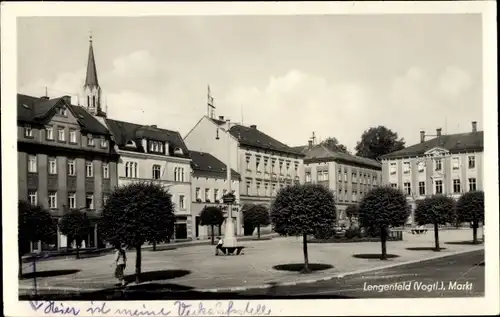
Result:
<point x="229" y="238"/>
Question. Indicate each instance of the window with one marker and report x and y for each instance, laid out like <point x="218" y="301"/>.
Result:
<point x="438" y="165"/>
<point x="456" y="186"/>
<point x="31" y="163"/>
<point x="104" y="199"/>
<point x="272" y="166"/>
<point x="63" y="112"/>
<point x="52" y="165"/>
<point x="340" y="176"/>
<point x="406" y="167"/>
<point x="421" y="167"/>
<point x="472" y="162"/>
<point x="325" y="175"/>
<point x="89" y="169"/>
<point x="71" y="168"/>
<point x="392" y="168"/>
<point x="156" y="171"/>
<point x="72" y="200"/>
<point x="308" y="177"/>
<point x="89" y="201"/>
<point x="273" y="186"/>
<point x="394" y="185"/>
<point x="28" y="132"/>
<point x="88" y="102"/>
<point x="72" y="136"/>
<point x="216" y="195"/>
<point x="456" y="163"/>
<point x="60" y="134"/>
<point x="178" y="174"/>
<point x="320" y="176"/>
<point x="354" y="177"/>
<point x="421" y="188"/>
<point x="104" y="142"/>
<point x="182" y="203"/>
<point x="266" y="188"/>
<point x="345" y="176"/>
<point x="257" y="192"/>
<point x="198" y="194"/>
<point x="249" y="188"/>
<point x="131" y="169"/>
<point x="340" y="195"/>
<point x="33" y="198"/>
<point x="52" y="200"/>
<point x="105" y="170"/>
<point x="90" y="140"/>
<point x="93" y="101"/>
<point x="407" y="188"/>
<point x="156" y="146"/>
<point x="354" y="195"/>
<point x="49" y="133"/>
<point x="296" y="166"/>
<point x="472" y="184"/>
<point x="257" y="164"/>
<point x="207" y="195"/>
<point x="248" y="163"/>
<point x="439" y="187"/>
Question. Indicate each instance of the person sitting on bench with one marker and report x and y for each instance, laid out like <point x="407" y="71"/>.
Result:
<point x="219" y="246"/>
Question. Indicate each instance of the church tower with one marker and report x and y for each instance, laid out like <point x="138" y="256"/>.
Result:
<point x="91" y="88"/>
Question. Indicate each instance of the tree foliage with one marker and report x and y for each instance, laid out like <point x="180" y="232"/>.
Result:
<point x="134" y="214"/>
<point x="302" y="210"/>
<point x="351" y="212"/>
<point x="257" y="215"/>
<point x="333" y="144"/>
<point x="381" y="208"/>
<point x="34" y="224"/>
<point x="470" y="208"/>
<point x="378" y="141"/>
<point x="76" y="225"/>
<point x="436" y="210"/>
<point x="211" y="216"/>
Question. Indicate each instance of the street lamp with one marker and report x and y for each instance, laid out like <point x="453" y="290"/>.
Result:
<point x="229" y="237"/>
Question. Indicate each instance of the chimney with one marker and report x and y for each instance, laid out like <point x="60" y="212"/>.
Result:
<point x="253" y="126"/>
<point x="474" y="126"/>
<point x="422" y="136"/>
<point x="310" y="143"/>
<point x="67" y="99"/>
<point x="45" y="97"/>
<point x="438" y="132"/>
<point x="221" y="118"/>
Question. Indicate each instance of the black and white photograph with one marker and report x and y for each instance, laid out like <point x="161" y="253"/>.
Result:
<point x="210" y="159"/>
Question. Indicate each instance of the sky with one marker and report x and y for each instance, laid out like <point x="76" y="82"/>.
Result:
<point x="336" y="75"/>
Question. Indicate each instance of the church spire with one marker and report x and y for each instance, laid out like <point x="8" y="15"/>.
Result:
<point x="91" y="80"/>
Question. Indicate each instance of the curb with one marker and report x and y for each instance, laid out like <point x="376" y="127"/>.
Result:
<point x="266" y="286"/>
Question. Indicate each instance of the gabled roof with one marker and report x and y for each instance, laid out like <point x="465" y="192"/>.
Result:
<point x="252" y="137"/>
<point x="35" y="110"/>
<point x="207" y="163"/>
<point x="322" y="153"/>
<point x="454" y="143"/>
<point x="124" y="132"/>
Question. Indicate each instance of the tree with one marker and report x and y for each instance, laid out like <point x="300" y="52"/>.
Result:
<point x="378" y="141"/>
<point x="34" y="224"/>
<point x="333" y="144"/>
<point x="470" y="208"/>
<point x="302" y="210"/>
<point x="211" y="216"/>
<point x="381" y="208"/>
<point x="436" y="210"/>
<point x="351" y="213"/>
<point x="75" y="224"/>
<point x="257" y="215"/>
<point x="133" y="214"/>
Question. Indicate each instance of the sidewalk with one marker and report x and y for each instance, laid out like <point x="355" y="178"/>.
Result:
<point x="197" y="267"/>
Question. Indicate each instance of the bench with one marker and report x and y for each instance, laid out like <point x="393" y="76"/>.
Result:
<point x="230" y="250"/>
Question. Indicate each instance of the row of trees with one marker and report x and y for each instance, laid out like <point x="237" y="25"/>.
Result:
<point x="374" y="143"/>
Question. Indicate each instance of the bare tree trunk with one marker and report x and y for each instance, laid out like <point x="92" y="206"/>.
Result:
<point x="138" y="264"/>
<point x="306" y="256"/>
<point x="154" y="245"/>
<point x="212" y="226"/>
<point x="383" y="240"/>
<point x="474" y="231"/>
<point x="436" y="237"/>
<point x="258" y="232"/>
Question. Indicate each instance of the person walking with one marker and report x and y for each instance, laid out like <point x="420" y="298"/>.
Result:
<point x="220" y="242"/>
<point x="120" y="263"/>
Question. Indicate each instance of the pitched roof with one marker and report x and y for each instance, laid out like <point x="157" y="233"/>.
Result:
<point x="35" y="110"/>
<point x="127" y="131"/>
<point x="322" y="153"/>
<point x="251" y="136"/>
<point x="459" y="142"/>
<point x="300" y="148"/>
<point x="207" y="163"/>
<point x="91" y="79"/>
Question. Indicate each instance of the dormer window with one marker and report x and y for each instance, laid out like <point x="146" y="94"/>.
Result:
<point x="155" y="146"/>
<point x="28" y="132"/>
<point x="130" y="143"/>
<point x="104" y="142"/>
<point x="90" y="140"/>
<point x="63" y="112"/>
<point x="177" y="150"/>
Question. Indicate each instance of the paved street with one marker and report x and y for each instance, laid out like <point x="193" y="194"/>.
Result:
<point x="196" y="268"/>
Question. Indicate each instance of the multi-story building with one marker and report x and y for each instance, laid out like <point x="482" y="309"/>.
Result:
<point x="446" y="164"/>
<point x="148" y="153"/>
<point x="66" y="160"/>
<point x="264" y="163"/>
<point x="209" y="184"/>
<point x="348" y="176"/>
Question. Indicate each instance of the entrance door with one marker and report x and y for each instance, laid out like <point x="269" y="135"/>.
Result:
<point x="180" y="231"/>
<point x="197" y="227"/>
